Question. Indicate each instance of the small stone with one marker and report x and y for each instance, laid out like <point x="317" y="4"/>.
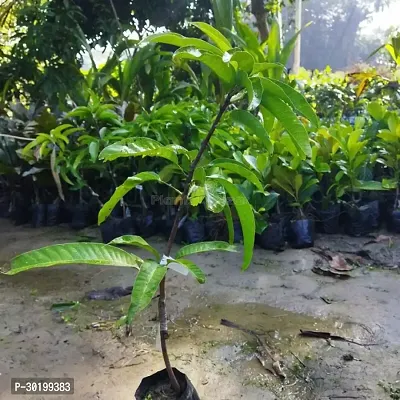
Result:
<point x="348" y="357"/>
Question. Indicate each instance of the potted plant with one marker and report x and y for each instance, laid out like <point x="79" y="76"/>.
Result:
<point x="352" y="160"/>
<point x="238" y="73"/>
<point x="388" y="147"/>
<point x="328" y="207"/>
<point x="299" y="187"/>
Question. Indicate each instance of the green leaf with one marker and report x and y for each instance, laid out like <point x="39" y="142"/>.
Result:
<point x="216" y="36"/>
<point x="239" y="169"/>
<point x="257" y="93"/>
<point x="274" y="43"/>
<point x="260" y="67"/>
<point x="370" y="185"/>
<point x="73" y="253"/>
<point x="199" y="175"/>
<point x="203" y="247"/>
<point x="223" y="13"/>
<point x="81" y="112"/>
<point x="193" y="269"/>
<point x="246" y="216"/>
<point x="123" y="189"/>
<point x="223" y="70"/>
<point x="136" y="147"/>
<point x="298" y="182"/>
<point x="289" y="120"/>
<point x="132" y="240"/>
<point x="244" y="60"/>
<point x="94" y="151"/>
<point x="196" y="195"/>
<point x="169" y="171"/>
<point x="175" y="39"/>
<point x="376" y="110"/>
<point x="146" y="285"/>
<point x="244" y="81"/>
<point x="272" y="89"/>
<point x="299" y="102"/>
<point x="289" y="46"/>
<point x="252" y="125"/>
<point x="215" y="196"/>
<point x="229" y="223"/>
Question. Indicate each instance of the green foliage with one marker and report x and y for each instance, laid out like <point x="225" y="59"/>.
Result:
<point x="145" y="287"/>
<point x="73" y="253"/>
<point x="131" y="128"/>
<point x="132" y="240"/>
<point x="203" y="247"/>
<point x="298" y="186"/>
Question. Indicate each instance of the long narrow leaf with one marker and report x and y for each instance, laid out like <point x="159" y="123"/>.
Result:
<point x="123" y="189"/>
<point x="138" y="241"/>
<point x="215" y="62"/>
<point x="251" y="124"/>
<point x="216" y="36"/>
<point x="289" y="120"/>
<point x="204" y="247"/>
<point x="193" y="269"/>
<point x="239" y="169"/>
<point x="229" y="223"/>
<point x="73" y="253"/>
<point x="299" y="102"/>
<point x="289" y="46"/>
<point x="175" y="39"/>
<point x="146" y="284"/>
<point x="223" y="13"/>
<point x="246" y="217"/>
<point x="138" y="147"/>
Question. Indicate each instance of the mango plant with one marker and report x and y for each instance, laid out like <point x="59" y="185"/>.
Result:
<point x="389" y="153"/>
<point x="352" y="159"/>
<point x="240" y="75"/>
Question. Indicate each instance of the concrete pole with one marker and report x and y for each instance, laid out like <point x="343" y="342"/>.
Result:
<point x="280" y="23"/>
<point x="297" y="49"/>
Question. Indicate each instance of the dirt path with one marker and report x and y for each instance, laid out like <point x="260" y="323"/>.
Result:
<point x="278" y="295"/>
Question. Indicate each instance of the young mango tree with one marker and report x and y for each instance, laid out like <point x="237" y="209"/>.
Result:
<point x="239" y="74"/>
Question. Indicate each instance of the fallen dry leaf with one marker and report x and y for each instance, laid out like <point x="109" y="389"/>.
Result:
<point x="338" y="263"/>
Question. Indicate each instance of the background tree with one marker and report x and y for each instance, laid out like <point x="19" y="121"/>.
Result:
<point x="334" y="37"/>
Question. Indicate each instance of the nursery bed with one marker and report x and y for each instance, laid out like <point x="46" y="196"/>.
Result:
<point x="279" y="295"/>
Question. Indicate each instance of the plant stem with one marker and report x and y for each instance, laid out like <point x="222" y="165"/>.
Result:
<point x="162" y="300"/>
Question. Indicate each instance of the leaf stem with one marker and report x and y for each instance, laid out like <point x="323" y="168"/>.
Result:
<point x="162" y="300"/>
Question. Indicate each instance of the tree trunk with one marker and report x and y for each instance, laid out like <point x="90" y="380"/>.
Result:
<point x="259" y="11"/>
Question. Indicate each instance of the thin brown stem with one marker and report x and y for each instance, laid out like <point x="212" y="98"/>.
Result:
<point x="162" y="300"/>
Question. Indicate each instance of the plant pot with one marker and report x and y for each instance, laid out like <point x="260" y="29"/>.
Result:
<point x="302" y="233"/>
<point x="4" y="207"/>
<point x="237" y="232"/>
<point x="272" y="237"/>
<point x="80" y="216"/>
<point x="116" y="227"/>
<point x="39" y="215"/>
<point x="21" y="211"/>
<point x="53" y="214"/>
<point x="330" y="219"/>
<point x="65" y="213"/>
<point x="362" y="220"/>
<point x="214" y="228"/>
<point x="146" y="225"/>
<point x="193" y="231"/>
<point x="393" y="221"/>
<point x="160" y="379"/>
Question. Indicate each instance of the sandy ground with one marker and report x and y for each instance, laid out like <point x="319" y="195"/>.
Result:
<point x="277" y="296"/>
